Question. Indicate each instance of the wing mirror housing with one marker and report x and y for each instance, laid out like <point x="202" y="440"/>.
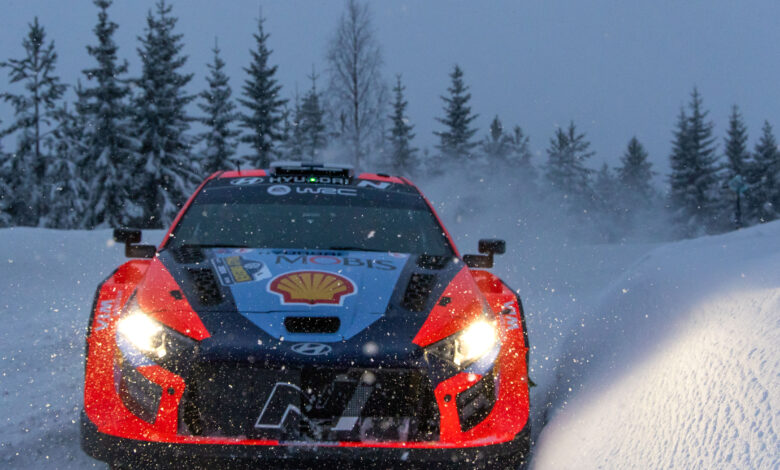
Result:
<point x="130" y="237"/>
<point x="488" y="247"/>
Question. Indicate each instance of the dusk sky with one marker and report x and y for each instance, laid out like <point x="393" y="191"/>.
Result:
<point x="616" y="68"/>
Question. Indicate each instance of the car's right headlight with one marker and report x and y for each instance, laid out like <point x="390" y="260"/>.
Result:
<point x="468" y="345"/>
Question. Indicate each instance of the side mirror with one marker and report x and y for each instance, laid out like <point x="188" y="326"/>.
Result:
<point x="129" y="237"/>
<point x="488" y="246"/>
<point x="140" y="251"/>
<point x="492" y="246"/>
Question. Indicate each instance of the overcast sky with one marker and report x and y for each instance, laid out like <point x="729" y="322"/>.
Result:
<point x="617" y="68"/>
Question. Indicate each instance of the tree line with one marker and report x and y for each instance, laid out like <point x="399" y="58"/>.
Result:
<point x="124" y="152"/>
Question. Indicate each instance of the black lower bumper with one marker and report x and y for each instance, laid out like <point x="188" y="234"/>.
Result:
<point x="159" y="455"/>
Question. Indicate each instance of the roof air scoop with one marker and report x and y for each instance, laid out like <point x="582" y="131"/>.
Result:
<point x="285" y="168"/>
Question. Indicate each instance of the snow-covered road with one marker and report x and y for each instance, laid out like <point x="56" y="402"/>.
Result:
<point x="645" y="356"/>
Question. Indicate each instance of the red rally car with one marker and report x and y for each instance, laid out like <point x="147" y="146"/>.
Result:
<point x="304" y="315"/>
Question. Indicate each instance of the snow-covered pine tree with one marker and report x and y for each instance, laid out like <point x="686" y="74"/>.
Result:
<point x="764" y="178"/>
<point x="107" y="165"/>
<point x="5" y="188"/>
<point x="291" y="145"/>
<point x="496" y="146"/>
<point x="166" y="168"/>
<point x="262" y="122"/>
<point x="635" y="174"/>
<point x="608" y="204"/>
<point x="519" y="157"/>
<point x="737" y="159"/>
<point x="694" y="178"/>
<point x="68" y="192"/>
<point x="310" y="119"/>
<point x="220" y="138"/>
<point x="565" y="169"/>
<point x="34" y="110"/>
<point x="403" y="156"/>
<point x="455" y="142"/>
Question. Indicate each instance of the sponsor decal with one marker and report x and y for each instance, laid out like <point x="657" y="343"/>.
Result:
<point x="311" y="349"/>
<point x="373" y="184"/>
<point x="328" y="260"/>
<point x="329" y="191"/>
<point x="237" y="269"/>
<point x="279" y="190"/>
<point x="511" y="320"/>
<point x="309" y="179"/>
<point x="108" y="310"/>
<point x="246" y="181"/>
<point x="311" y="288"/>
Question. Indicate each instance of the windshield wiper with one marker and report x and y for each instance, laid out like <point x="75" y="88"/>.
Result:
<point x="215" y="245"/>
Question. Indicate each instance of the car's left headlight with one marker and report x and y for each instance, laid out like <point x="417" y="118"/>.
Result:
<point x="142" y="331"/>
<point x="468" y="345"/>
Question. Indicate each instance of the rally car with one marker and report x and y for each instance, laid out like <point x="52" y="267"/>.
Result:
<point x="303" y="315"/>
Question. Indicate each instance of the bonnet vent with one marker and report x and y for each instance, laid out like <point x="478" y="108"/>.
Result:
<point x="206" y="286"/>
<point x="312" y="324"/>
<point x="417" y="291"/>
<point x="188" y="254"/>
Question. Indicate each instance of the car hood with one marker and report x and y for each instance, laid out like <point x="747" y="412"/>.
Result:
<point x="347" y="299"/>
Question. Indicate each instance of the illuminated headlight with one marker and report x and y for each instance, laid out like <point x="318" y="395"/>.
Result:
<point x="144" y="333"/>
<point x="468" y="345"/>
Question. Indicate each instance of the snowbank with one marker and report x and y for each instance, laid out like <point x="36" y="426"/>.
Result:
<point x="677" y="364"/>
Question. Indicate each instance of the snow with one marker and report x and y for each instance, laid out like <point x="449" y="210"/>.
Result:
<point x="646" y="355"/>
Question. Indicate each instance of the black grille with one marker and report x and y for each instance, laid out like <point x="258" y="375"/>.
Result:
<point x="417" y="291"/>
<point x="476" y="402"/>
<point x="206" y="286"/>
<point x="312" y="324"/>
<point x="188" y="254"/>
<point x="346" y="405"/>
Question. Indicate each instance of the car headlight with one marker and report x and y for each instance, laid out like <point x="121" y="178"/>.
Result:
<point x="143" y="332"/>
<point x="468" y="345"/>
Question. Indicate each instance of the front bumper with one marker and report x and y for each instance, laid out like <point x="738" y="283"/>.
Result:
<point x="149" y="455"/>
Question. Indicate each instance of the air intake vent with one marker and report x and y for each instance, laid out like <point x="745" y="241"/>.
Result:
<point x="188" y="254"/>
<point x="206" y="286"/>
<point x="312" y="324"/>
<point x="432" y="262"/>
<point x="418" y="290"/>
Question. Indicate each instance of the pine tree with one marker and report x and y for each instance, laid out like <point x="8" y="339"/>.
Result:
<point x="220" y="115"/>
<point x="519" y="156"/>
<point x="34" y="110"/>
<point x="737" y="157"/>
<point x="107" y="164"/>
<point x="261" y="98"/>
<point x="5" y="188"/>
<point x="291" y="147"/>
<point x="496" y="146"/>
<point x="565" y="169"/>
<point x="455" y="144"/>
<point x="164" y="164"/>
<point x="635" y="174"/>
<point x="310" y="119"/>
<point x="403" y="156"/>
<point x="68" y="192"/>
<point x="764" y="178"/>
<point x="694" y="179"/>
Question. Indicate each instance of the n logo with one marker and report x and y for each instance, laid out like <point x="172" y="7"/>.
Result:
<point x="283" y="407"/>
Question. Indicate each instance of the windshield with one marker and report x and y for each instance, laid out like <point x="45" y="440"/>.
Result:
<point x="242" y="217"/>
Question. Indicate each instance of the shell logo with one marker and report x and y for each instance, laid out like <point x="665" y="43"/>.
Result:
<point x="311" y="288"/>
